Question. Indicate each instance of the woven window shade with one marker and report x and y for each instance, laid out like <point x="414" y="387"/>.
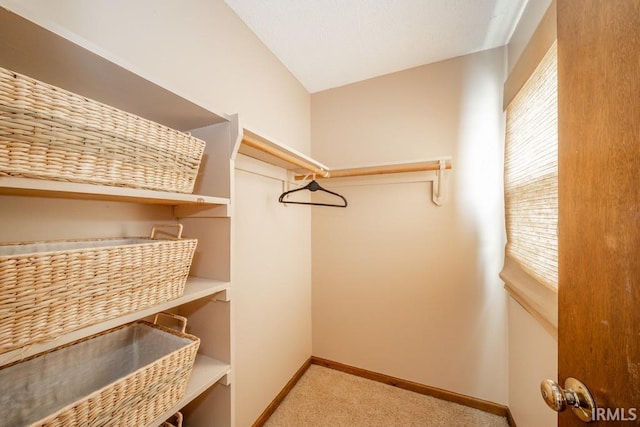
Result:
<point x="531" y="174"/>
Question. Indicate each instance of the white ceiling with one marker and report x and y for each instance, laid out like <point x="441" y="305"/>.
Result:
<point x="330" y="43"/>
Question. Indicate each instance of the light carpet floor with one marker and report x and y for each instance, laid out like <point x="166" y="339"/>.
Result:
<point x="328" y="398"/>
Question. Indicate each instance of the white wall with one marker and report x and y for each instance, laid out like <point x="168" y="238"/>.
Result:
<point x="533" y="357"/>
<point x="531" y="16"/>
<point x="401" y="286"/>
<point x="201" y="49"/>
<point x="272" y="292"/>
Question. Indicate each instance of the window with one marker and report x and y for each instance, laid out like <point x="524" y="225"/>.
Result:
<point x="531" y="188"/>
<point x="531" y="173"/>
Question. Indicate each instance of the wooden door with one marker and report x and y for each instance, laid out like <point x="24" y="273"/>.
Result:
<point x="599" y="204"/>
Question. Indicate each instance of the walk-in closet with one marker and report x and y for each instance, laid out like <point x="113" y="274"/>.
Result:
<point x="237" y="213"/>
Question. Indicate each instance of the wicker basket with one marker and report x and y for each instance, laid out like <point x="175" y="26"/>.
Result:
<point x="174" y="421"/>
<point x="127" y="376"/>
<point x="50" y="133"/>
<point x="51" y="288"/>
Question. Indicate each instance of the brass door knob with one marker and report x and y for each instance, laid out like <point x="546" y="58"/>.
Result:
<point x="575" y="395"/>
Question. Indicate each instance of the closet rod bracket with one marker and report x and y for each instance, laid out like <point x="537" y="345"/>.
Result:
<point x="438" y="196"/>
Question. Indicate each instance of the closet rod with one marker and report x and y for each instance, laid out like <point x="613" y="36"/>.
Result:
<point x="265" y="148"/>
<point x="380" y="170"/>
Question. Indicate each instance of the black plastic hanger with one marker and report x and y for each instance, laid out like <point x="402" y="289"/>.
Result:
<point x="312" y="186"/>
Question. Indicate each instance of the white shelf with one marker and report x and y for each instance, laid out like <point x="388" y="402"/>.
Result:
<point x="280" y="155"/>
<point x="195" y="288"/>
<point x="72" y="190"/>
<point x="206" y="372"/>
